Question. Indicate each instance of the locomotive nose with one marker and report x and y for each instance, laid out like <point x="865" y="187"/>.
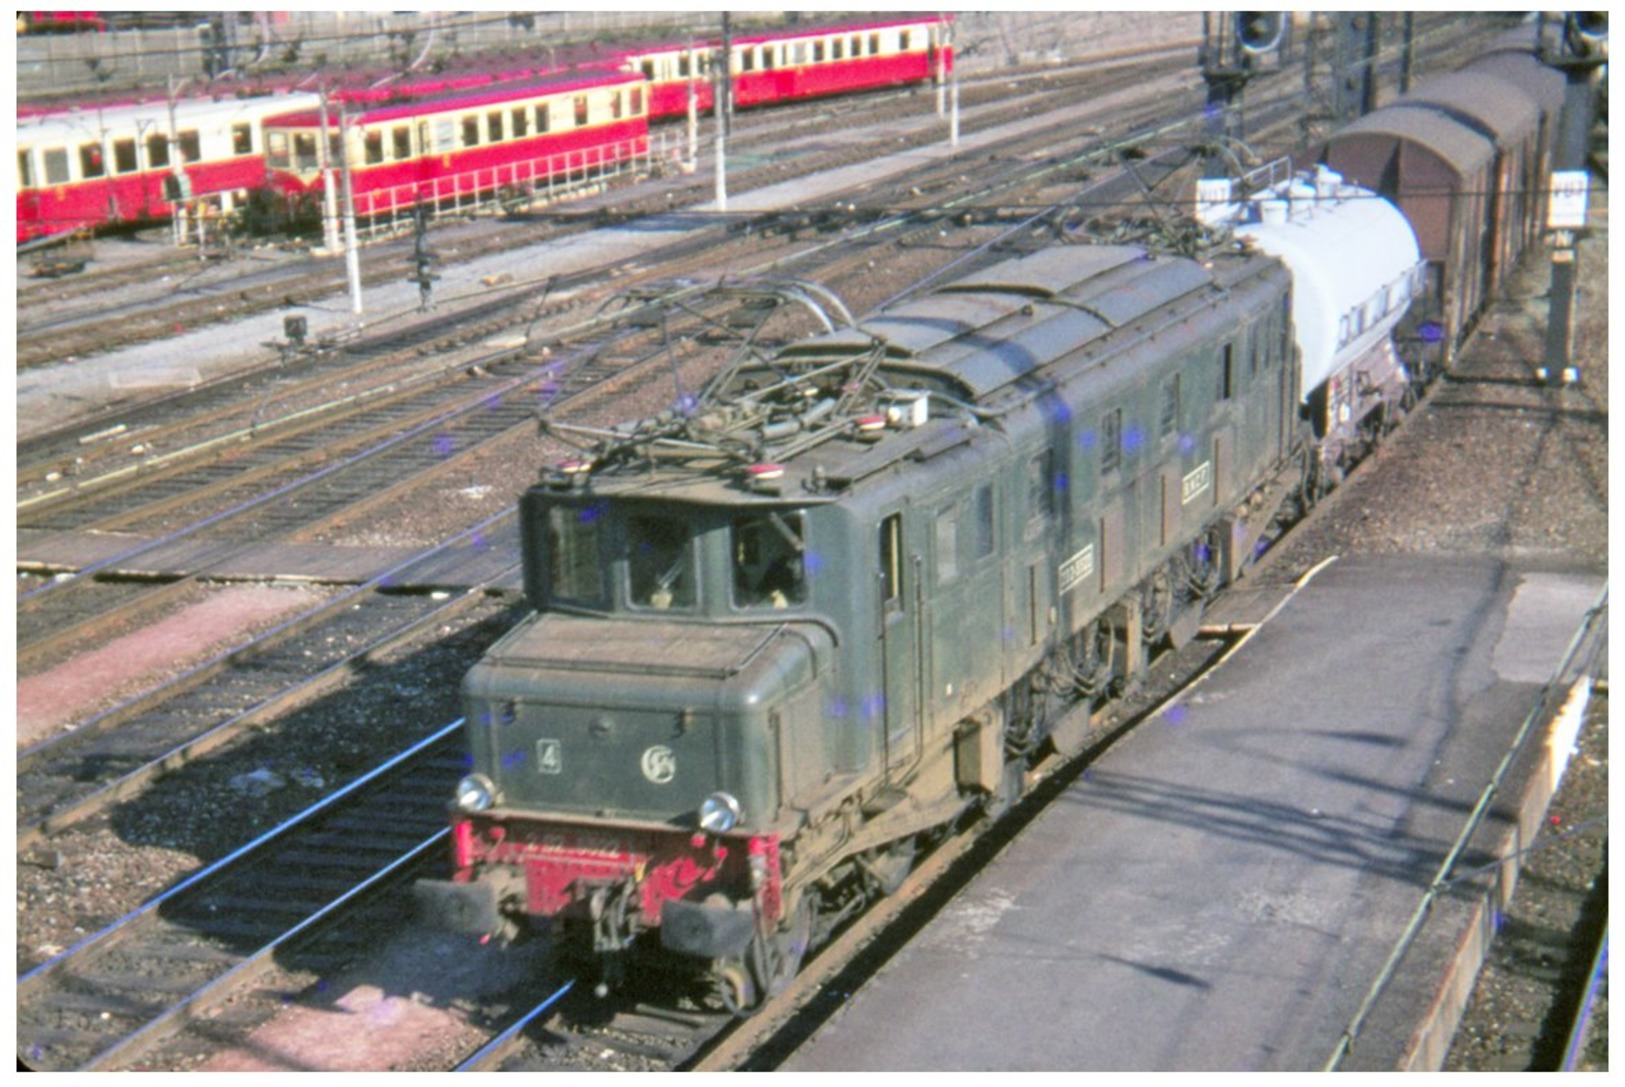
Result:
<point x="638" y="721"/>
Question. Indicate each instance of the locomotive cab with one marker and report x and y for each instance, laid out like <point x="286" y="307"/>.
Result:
<point x="659" y="705"/>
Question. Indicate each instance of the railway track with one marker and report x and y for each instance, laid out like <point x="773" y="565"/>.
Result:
<point x="125" y="748"/>
<point x="290" y="893"/>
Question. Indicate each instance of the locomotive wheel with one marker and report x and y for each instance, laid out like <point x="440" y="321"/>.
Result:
<point x="1011" y="782"/>
<point x="735" y="988"/>
<point x="1156" y="607"/>
<point x="891" y="866"/>
<point x="777" y="960"/>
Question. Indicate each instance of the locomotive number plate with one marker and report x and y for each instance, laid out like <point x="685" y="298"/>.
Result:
<point x="549" y="757"/>
<point x="1075" y="569"/>
<point x="1196" y="481"/>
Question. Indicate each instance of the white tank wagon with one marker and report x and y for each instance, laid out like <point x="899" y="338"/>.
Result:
<point x="1355" y="266"/>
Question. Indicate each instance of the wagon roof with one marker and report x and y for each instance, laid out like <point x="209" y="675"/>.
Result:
<point x="1464" y="150"/>
<point x="1496" y="107"/>
<point x="1544" y="85"/>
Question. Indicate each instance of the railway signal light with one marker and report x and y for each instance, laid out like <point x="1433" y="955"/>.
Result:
<point x="1586" y="32"/>
<point x="1259" y="31"/>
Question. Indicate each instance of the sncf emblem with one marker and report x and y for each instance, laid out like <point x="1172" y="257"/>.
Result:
<point x="659" y="764"/>
<point x="1196" y="481"/>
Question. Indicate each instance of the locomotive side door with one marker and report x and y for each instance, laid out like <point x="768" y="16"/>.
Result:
<point x="900" y="618"/>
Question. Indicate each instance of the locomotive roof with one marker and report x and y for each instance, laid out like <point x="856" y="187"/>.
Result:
<point x="1086" y="290"/>
<point x="492" y="94"/>
<point x="1539" y="82"/>
<point x="975" y="351"/>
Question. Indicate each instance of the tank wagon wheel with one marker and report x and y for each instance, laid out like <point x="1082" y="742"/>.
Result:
<point x="1395" y="411"/>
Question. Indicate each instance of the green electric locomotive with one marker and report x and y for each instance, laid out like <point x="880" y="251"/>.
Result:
<point x="846" y="598"/>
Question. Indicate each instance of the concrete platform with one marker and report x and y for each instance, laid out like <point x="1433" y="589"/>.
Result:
<point x="1220" y="891"/>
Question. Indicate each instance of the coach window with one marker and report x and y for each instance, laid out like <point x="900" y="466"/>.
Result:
<point x="874" y="44"/>
<point x="637" y="101"/>
<point x="855" y="46"/>
<point x="124" y="156"/>
<point x="242" y="139"/>
<point x="798" y="53"/>
<point x="581" y="110"/>
<point x="401" y="138"/>
<point x="902" y="41"/>
<point x="157" y="151"/>
<point x="493" y="126"/>
<point x="373" y="147"/>
<point x="56" y="165"/>
<point x="90" y="160"/>
<point x="658" y="563"/>
<point x="190" y="148"/>
<point x="768" y="552"/>
<point x="747" y="60"/>
<point x="615" y="105"/>
<point x="471" y="131"/>
<point x="837" y="49"/>
<point x="519" y="123"/>
<point x="304" y="151"/>
<point x="541" y="119"/>
<point x="818" y="52"/>
<point x="25" y="171"/>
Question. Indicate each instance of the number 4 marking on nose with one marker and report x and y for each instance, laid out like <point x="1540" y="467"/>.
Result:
<point x="549" y="757"/>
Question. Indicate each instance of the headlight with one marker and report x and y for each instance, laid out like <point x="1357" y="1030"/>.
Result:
<point x="719" y="814"/>
<point x="475" y="793"/>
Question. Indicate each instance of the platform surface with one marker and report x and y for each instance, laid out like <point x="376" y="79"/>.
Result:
<point x="1219" y="891"/>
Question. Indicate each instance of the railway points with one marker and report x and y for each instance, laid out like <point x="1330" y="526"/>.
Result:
<point x="1232" y="876"/>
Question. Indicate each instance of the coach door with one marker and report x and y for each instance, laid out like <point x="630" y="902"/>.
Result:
<point x="899" y="578"/>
